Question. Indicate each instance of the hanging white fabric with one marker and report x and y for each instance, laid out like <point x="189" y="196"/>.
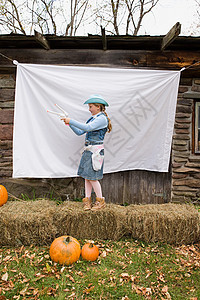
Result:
<point x="142" y="107"/>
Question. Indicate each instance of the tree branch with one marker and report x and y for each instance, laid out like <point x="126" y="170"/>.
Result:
<point x="17" y="18"/>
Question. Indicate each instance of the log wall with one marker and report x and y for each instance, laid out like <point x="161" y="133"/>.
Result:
<point x="185" y="164"/>
<point x="7" y="86"/>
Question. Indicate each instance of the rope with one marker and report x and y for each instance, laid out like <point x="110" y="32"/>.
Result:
<point x="190" y="66"/>
<point x="15" y="62"/>
<point x="3" y="55"/>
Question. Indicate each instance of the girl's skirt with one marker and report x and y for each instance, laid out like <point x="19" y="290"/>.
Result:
<point x="85" y="168"/>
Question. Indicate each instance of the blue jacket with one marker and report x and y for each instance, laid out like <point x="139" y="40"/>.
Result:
<point x="95" y="128"/>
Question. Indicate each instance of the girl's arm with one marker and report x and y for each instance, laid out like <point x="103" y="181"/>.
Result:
<point x="76" y="130"/>
<point x="98" y="123"/>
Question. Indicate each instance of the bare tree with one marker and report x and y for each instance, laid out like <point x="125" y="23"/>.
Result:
<point x="49" y="16"/>
<point x="140" y="8"/>
<point x="65" y="17"/>
<point x="125" y="16"/>
<point x="10" y="16"/>
<point x="108" y="15"/>
<point x="78" y="9"/>
<point x="42" y="16"/>
<point x="115" y="9"/>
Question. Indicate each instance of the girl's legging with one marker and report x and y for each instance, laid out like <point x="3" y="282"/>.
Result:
<point x="95" y="184"/>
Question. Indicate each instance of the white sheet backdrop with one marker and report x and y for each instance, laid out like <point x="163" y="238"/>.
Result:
<point x="142" y="110"/>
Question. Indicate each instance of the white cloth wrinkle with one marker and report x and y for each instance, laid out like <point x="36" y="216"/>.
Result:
<point x="142" y="105"/>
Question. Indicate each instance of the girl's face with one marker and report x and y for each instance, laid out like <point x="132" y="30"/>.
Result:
<point x="94" y="109"/>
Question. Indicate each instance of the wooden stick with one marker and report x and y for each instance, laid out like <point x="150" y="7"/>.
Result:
<point x="171" y="36"/>
<point x="42" y="40"/>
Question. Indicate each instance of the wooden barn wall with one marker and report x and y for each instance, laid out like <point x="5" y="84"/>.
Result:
<point x="122" y="187"/>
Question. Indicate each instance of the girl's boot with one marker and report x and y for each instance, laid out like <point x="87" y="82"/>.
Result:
<point x="87" y="203"/>
<point x="100" y="203"/>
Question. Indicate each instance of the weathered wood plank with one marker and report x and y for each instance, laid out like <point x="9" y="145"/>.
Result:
<point x="126" y="58"/>
<point x="137" y="187"/>
<point x="111" y="58"/>
<point x="171" y="36"/>
<point x="41" y="40"/>
<point x="104" y="40"/>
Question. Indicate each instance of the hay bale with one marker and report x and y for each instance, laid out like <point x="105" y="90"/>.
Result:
<point x="168" y="223"/>
<point x="27" y="222"/>
<point x="40" y="222"/>
<point x="108" y="223"/>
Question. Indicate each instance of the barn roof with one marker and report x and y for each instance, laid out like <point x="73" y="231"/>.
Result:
<point x="17" y="41"/>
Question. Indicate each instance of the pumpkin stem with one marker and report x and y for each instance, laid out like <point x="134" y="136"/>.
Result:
<point x="91" y="245"/>
<point x="67" y="240"/>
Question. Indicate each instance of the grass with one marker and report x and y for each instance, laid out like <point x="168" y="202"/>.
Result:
<point x="125" y="270"/>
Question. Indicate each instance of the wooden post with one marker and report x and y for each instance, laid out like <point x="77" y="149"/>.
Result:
<point x="41" y="40"/>
<point x="171" y="36"/>
<point x="104" y="41"/>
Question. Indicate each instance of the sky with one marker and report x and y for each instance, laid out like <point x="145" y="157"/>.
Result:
<point x="167" y="13"/>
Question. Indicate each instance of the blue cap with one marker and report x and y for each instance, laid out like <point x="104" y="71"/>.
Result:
<point x="96" y="99"/>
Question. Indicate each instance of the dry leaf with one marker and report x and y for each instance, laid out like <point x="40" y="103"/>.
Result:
<point x="88" y="290"/>
<point x="51" y="292"/>
<point x="165" y="289"/>
<point x="70" y="277"/>
<point x="103" y="254"/>
<point x="148" y="291"/>
<point x="148" y="273"/>
<point x="35" y="291"/>
<point x="5" y="277"/>
<point x="161" y="278"/>
<point x="124" y="275"/>
<point x="23" y="292"/>
<point x="79" y="273"/>
<point x="72" y="295"/>
<point x="137" y="289"/>
<point x="7" y="258"/>
<point x="132" y="278"/>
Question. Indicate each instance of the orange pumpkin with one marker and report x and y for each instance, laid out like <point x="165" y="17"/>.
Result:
<point x="3" y="195"/>
<point x="90" y="252"/>
<point x="65" y="250"/>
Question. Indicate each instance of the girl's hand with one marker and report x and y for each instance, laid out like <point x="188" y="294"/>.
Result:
<point x="66" y="120"/>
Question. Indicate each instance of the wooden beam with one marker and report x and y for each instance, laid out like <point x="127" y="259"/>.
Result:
<point x="173" y="60"/>
<point x="104" y="40"/>
<point x="41" y="40"/>
<point x="171" y="36"/>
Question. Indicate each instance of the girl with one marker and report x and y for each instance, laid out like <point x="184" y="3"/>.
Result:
<point x="91" y="164"/>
